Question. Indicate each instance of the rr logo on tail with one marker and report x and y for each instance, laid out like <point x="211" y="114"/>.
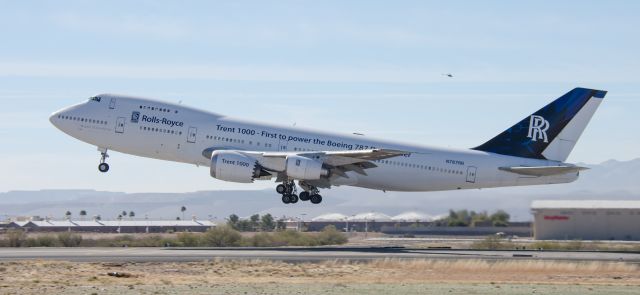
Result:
<point x="538" y="128"/>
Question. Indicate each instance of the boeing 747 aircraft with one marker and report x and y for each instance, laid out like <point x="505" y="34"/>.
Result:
<point x="531" y="152"/>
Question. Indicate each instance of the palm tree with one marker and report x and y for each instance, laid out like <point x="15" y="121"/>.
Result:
<point x="124" y="213"/>
<point x="132" y="214"/>
<point x="182" y="209"/>
<point x="83" y="213"/>
<point x="67" y="214"/>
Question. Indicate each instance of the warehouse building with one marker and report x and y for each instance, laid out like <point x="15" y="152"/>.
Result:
<point x="114" y="226"/>
<point x="586" y="220"/>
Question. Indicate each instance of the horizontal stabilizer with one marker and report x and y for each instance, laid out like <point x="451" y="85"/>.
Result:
<point x="543" y="170"/>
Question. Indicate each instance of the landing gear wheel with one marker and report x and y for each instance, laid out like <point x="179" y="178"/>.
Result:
<point x="316" y="199"/>
<point x="293" y="198"/>
<point x="286" y="199"/>
<point x="304" y="196"/>
<point x="281" y="189"/>
<point x="103" y="167"/>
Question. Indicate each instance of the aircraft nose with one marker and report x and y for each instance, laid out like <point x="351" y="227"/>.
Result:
<point x="55" y="118"/>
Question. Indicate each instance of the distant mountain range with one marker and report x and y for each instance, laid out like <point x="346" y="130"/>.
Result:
<point x="610" y="180"/>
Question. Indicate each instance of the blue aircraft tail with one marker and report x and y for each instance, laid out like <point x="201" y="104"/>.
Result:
<point x="551" y="132"/>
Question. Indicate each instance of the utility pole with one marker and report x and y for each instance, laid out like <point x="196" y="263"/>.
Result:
<point x="346" y="219"/>
<point x="301" y="218"/>
<point x="366" y="227"/>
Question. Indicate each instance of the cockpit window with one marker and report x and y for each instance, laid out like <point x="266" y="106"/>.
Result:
<point x="95" y="98"/>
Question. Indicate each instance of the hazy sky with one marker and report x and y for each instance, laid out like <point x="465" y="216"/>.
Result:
<point x="373" y="67"/>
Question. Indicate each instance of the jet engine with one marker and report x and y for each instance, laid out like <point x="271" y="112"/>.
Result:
<point x="299" y="167"/>
<point x="235" y="167"/>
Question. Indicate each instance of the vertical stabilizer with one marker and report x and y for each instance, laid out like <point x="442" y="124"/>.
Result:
<point x="551" y="132"/>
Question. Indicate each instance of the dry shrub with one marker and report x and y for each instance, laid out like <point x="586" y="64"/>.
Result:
<point x="68" y="239"/>
<point x="222" y="236"/>
<point x="42" y="241"/>
<point x="16" y="237"/>
<point x="188" y="240"/>
<point x="331" y="236"/>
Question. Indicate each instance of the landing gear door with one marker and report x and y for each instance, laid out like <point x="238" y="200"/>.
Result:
<point x="120" y="125"/>
<point x="112" y="103"/>
<point x="471" y="174"/>
<point x="191" y="135"/>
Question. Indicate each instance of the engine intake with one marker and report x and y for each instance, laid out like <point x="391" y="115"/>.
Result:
<point x="233" y="166"/>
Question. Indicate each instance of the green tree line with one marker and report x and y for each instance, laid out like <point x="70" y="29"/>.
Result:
<point x="472" y="218"/>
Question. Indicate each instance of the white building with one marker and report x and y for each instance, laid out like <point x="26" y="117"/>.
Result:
<point x="329" y="217"/>
<point x="412" y="217"/>
<point x="370" y="216"/>
<point x="586" y="220"/>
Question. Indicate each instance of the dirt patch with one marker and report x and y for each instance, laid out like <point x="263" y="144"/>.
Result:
<point x="272" y="277"/>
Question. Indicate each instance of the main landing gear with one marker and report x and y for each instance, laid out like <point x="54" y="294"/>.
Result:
<point x="288" y="191"/>
<point x="103" y="166"/>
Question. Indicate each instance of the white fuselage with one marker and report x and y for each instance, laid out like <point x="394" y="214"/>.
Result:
<point x="173" y="132"/>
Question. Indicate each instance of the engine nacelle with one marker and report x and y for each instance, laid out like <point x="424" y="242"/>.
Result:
<point x="233" y="166"/>
<point x="299" y="167"/>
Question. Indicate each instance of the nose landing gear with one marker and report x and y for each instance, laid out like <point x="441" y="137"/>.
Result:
<point x="288" y="191"/>
<point x="103" y="166"/>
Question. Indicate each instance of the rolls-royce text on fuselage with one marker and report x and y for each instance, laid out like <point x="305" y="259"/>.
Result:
<point x="302" y="161"/>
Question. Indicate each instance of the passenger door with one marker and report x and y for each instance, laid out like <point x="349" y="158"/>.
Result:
<point x="191" y="135"/>
<point x="112" y="103"/>
<point x="120" y="125"/>
<point x="471" y="174"/>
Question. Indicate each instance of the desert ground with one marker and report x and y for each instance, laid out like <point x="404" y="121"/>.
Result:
<point x="389" y="276"/>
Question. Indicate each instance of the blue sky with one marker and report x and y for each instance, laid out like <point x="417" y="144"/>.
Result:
<point x="373" y="67"/>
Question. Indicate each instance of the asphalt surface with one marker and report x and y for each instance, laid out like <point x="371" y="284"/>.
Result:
<point x="302" y="254"/>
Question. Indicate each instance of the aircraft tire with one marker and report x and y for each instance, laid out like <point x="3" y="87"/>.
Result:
<point x="281" y="189"/>
<point x="316" y="199"/>
<point x="286" y="199"/>
<point x="103" y="167"/>
<point x="304" y="196"/>
<point x="293" y="198"/>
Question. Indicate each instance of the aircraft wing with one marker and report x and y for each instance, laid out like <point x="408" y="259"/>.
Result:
<point x="543" y="170"/>
<point x="338" y="162"/>
<point x="341" y="158"/>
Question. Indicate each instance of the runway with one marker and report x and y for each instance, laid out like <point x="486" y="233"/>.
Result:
<point x="298" y="254"/>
